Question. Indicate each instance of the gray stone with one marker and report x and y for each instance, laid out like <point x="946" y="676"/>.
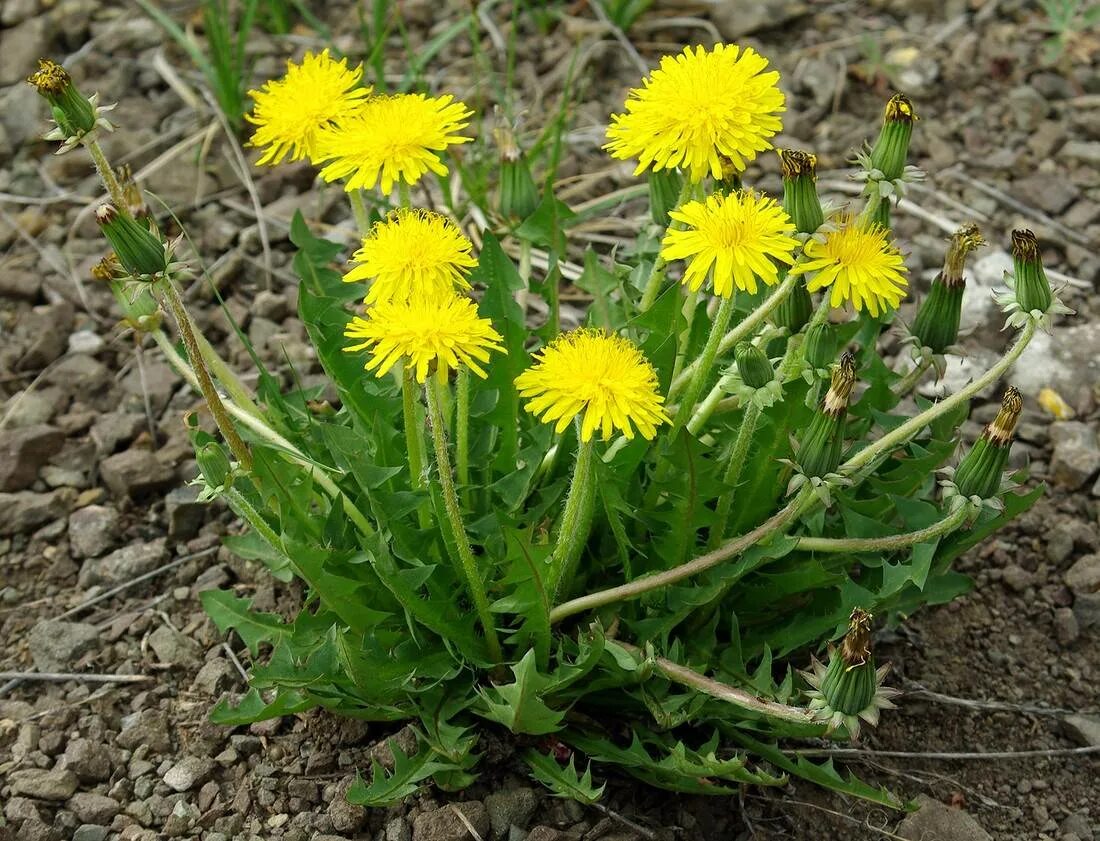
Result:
<point x="445" y="825"/>
<point x="1083" y="729"/>
<point x="156" y="382"/>
<point x="1084" y="575"/>
<point x="24" y="451"/>
<point x="86" y="341"/>
<point x="1076" y="453"/>
<point x="1049" y="192"/>
<point x="56" y="645"/>
<point x="56" y="784"/>
<point x="84" y="375"/>
<point x="188" y="773"/>
<point x="1065" y="360"/>
<point x="114" y="429"/>
<point x="1086" y="152"/>
<point x="941" y="822"/>
<point x="19" y="809"/>
<point x="92" y="531"/>
<point x="124" y="564"/>
<point x="135" y="473"/>
<point x="173" y="648"/>
<point x="1066" y="627"/>
<point x="1028" y="106"/>
<point x="1078" y="824"/>
<point x="1086" y="607"/>
<point x="22" y="46"/>
<point x="31" y="406"/>
<point x="148" y="727"/>
<point x="397" y="830"/>
<point x="1016" y="578"/>
<point x="185" y="512"/>
<point x="90" y="832"/>
<point x="214" y="677"/>
<point x="89" y="761"/>
<point x="272" y="305"/>
<point x="512" y="807"/>
<point x="736" y="20"/>
<point x="25" y="511"/>
<point x="345" y="816"/>
<point x="979" y="310"/>
<point x="93" y="808"/>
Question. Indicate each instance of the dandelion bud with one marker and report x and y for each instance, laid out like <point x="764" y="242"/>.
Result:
<point x="1032" y="287"/>
<point x="73" y="112"/>
<point x="214" y="465"/>
<point x="139" y="251"/>
<point x="107" y="269"/>
<point x="979" y="473"/>
<point x="800" y="198"/>
<point x="892" y="148"/>
<point x="664" y="191"/>
<point x="518" y="194"/>
<point x="794" y="311"/>
<point x="753" y="365"/>
<point x="937" y="321"/>
<point x="819" y="347"/>
<point x="850" y="688"/>
<point x="819" y="451"/>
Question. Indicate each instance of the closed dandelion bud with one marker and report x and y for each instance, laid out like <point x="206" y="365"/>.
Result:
<point x="214" y="464"/>
<point x="891" y="150"/>
<point x="1032" y="287"/>
<point x="753" y="365"/>
<point x="139" y="251"/>
<point x="820" y="450"/>
<point x="937" y="321"/>
<point x="664" y="191"/>
<point x="819" y="348"/>
<point x="794" y="311"/>
<point x="74" y="113"/>
<point x="518" y="193"/>
<point x="800" y="198"/>
<point x="979" y="473"/>
<point x="850" y="688"/>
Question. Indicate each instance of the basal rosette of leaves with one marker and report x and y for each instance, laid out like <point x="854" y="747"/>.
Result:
<point x="639" y="589"/>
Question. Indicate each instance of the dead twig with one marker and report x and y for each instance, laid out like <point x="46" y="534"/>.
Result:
<point x="857" y="753"/>
<point x="919" y="691"/>
<point x="59" y="677"/>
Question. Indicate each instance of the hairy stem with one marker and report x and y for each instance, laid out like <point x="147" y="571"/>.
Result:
<point x="732" y="476"/>
<point x="467" y="564"/>
<point x="359" y="210"/>
<point x="907" y="383"/>
<point x="885" y="544"/>
<point x="657" y="271"/>
<point x="106" y="174"/>
<point x="576" y="522"/>
<point x="703" y="365"/>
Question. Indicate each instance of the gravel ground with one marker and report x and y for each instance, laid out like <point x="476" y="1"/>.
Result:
<point x="94" y="461"/>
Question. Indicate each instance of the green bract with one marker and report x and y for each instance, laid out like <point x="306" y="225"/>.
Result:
<point x="641" y="602"/>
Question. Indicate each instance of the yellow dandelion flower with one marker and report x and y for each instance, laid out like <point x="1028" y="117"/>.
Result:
<point x="446" y="330"/>
<point x="735" y="238"/>
<point x="860" y="264"/>
<point x="600" y="374"/>
<point x="393" y="138"/>
<point x="697" y="108"/>
<point x="413" y="254"/>
<point x="290" y="112"/>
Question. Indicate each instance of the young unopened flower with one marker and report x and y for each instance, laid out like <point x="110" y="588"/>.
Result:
<point x="108" y="268"/>
<point x="979" y="473"/>
<point x="819" y="347"/>
<point x="753" y="365"/>
<point x="800" y="198"/>
<point x="443" y="331"/>
<point x="600" y="376"/>
<point x="391" y="139"/>
<point x="518" y="195"/>
<point x="413" y="254"/>
<point x="891" y="149"/>
<point x="1032" y="287"/>
<point x="141" y="253"/>
<point x="735" y="239"/>
<point x="937" y="323"/>
<point x="820" y="449"/>
<point x="664" y="191"/>
<point x="698" y="107"/>
<point x="858" y="264"/>
<point x="73" y="112"/>
<point x="849" y="690"/>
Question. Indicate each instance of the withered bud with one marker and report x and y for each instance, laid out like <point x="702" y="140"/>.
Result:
<point x="795" y="163"/>
<point x="855" y="650"/>
<point x="960" y="244"/>
<point x="1000" y="430"/>
<point x="840" y="387"/>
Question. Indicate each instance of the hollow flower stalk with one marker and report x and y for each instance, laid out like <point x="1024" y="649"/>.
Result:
<point x="937" y="323"/>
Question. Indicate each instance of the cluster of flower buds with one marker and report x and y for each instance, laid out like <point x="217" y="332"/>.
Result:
<point x="518" y="196"/>
<point x="76" y="115"/>
<point x="884" y="170"/>
<point x="849" y="690"/>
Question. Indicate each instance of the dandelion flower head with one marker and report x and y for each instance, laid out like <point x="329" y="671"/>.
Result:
<point x="602" y="377"/>
<point x="697" y="109"/>
<point x="289" y="113"/>
<point x="736" y="238"/>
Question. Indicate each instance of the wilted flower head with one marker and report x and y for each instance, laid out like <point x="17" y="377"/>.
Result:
<point x="698" y="107"/>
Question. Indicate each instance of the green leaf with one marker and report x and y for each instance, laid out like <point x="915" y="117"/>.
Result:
<point x="518" y="706"/>
<point x="252" y="707"/>
<point x="230" y="612"/>
<point x="563" y="780"/>
<point x="385" y="789"/>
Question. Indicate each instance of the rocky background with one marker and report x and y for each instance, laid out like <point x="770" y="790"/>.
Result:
<point x="104" y="549"/>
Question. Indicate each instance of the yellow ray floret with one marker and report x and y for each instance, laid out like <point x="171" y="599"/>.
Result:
<point x="393" y="138"/>
<point x="290" y="112"/>
<point x="736" y="238"/>
<point x="699" y="110"/>
<point x="600" y="375"/>
<point x="413" y="254"/>
<point x="445" y="330"/>
<point x="858" y="263"/>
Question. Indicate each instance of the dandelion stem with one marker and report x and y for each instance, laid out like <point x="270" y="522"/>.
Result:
<point x="359" y="210"/>
<point x="462" y="427"/>
<point x="106" y="174"/>
<point x="576" y="522"/>
<point x="657" y="270"/>
<point x="907" y="383"/>
<point x="885" y="544"/>
<point x="702" y="366"/>
<point x="202" y="375"/>
<point x="691" y="304"/>
<point x="734" y="467"/>
<point x="413" y="438"/>
<point x="404" y="194"/>
<point x="467" y="564"/>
